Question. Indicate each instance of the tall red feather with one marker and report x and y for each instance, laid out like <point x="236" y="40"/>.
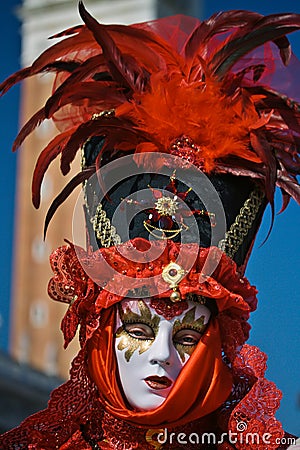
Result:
<point x="29" y="126"/>
<point x="242" y="42"/>
<point x="53" y="149"/>
<point x="78" y="179"/>
<point x="83" y="72"/>
<point x="125" y="69"/>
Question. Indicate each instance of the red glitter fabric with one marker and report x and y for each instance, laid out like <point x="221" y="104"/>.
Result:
<point x="254" y="414"/>
<point x="168" y="309"/>
<point x="71" y="285"/>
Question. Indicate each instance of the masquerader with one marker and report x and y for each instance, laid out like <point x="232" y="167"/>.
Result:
<point x="184" y="135"/>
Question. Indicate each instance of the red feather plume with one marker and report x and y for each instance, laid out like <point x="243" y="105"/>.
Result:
<point x="50" y="152"/>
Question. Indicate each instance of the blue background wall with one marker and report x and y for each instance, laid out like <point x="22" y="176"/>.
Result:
<point x="9" y="111"/>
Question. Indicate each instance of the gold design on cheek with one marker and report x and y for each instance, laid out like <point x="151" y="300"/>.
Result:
<point x="188" y="322"/>
<point x="130" y="343"/>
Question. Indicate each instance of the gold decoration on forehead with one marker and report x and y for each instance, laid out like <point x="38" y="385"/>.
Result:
<point x="145" y="316"/>
<point x="128" y="342"/>
<point x="172" y="274"/>
<point x="188" y="321"/>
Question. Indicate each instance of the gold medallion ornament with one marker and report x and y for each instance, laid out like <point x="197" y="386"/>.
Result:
<point x="164" y="213"/>
<point x="167" y="206"/>
<point x="173" y="274"/>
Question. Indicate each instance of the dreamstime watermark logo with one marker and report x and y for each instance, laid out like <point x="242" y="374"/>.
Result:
<point x="159" y="437"/>
<point x="115" y="175"/>
<point x="241" y="426"/>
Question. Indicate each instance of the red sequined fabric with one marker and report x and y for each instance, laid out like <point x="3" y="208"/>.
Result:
<point x="71" y="285"/>
<point x="253" y="418"/>
<point x="168" y="309"/>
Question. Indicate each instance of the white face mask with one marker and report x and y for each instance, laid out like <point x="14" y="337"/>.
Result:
<point x="152" y="350"/>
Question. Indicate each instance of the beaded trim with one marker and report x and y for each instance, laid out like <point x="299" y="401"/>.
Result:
<point x="105" y="232"/>
<point x="164" y="234"/>
<point x="105" y="113"/>
<point x="236" y="234"/>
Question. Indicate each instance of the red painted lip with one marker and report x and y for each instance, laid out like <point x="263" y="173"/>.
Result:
<point x="157" y="383"/>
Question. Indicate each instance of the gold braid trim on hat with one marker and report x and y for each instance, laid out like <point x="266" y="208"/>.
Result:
<point x="106" y="233"/>
<point x="236" y="234"/>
